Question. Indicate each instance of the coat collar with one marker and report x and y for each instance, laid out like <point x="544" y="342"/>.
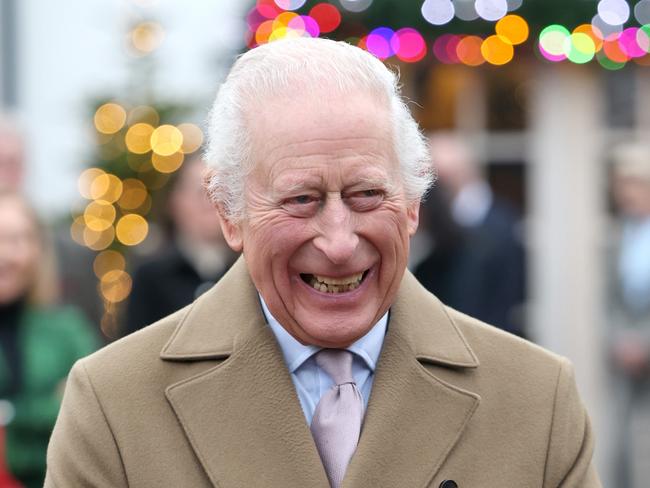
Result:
<point x="230" y="312"/>
<point x="243" y="418"/>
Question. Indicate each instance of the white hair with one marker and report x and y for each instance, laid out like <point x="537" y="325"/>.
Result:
<point x="278" y="68"/>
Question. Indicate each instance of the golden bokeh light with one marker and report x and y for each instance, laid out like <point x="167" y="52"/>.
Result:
<point x="106" y="187"/>
<point x="593" y="32"/>
<point x="147" y="37"/>
<point x="98" y="240"/>
<point x="108" y="260"/>
<point x="110" y="118"/>
<point x="497" y="50"/>
<point x="513" y="28"/>
<point x="115" y="285"/>
<point x="166" y="140"/>
<point x="192" y="137"/>
<point x="469" y="51"/>
<point x="99" y="215"/>
<point x="86" y="179"/>
<point x="144" y="114"/>
<point x="132" y="229"/>
<point x="138" y="138"/>
<point x="167" y="164"/>
<point x="77" y="230"/>
<point x="134" y="194"/>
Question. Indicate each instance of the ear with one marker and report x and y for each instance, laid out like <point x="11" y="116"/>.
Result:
<point x="232" y="232"/>
<point x="412" y="217"/>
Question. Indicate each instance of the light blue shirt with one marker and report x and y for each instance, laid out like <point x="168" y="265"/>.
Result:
<point x="310" y="380"/>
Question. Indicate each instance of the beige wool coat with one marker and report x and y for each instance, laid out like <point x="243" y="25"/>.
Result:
<point x="203" y="399"/>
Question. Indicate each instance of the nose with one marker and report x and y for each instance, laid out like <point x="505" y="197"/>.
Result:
<point x="337" y="238"/>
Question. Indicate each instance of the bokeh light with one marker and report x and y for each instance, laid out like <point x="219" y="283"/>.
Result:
<point x="514" y="28"/>
<point x="643" y="38"/>
<point x="491" y="9"/>
<point x="437" y="12"/>
<point x="134" y="194"/>
<point x="106" y="261"/>
<point x="326" y="16"/>
<point x="86" y="179"/>
<point x="290" y="4"/>
<point x="115" y="285"/>
<point x="612" y="49"/>
<point x="109" y="118"/>
<point x="106" y="187"/>
<point x="138" y="138"/>
<point x="614" y="12"/>
<point x="378" y="42"/>
<point x="608" y="63"/>
<point x="268" y="9"/>
<point x="167" y="164"/>
<point x="408" y="44"/>
<point x="642" y="12"/>
<point x="593" y="32"/>
<point x="263" y="32"/>
<point x="77" y="230"/>
<point x="581" y="48"/>
<point x="98" y="240"/>
<point x="166" y="140"/>
<point x="192" y="137"/>
<point x="628" y="41"/>
<point x="465" y="10"/>
<point x="553" y="41"/>
<point x="147" y="37"/>
<point x="145" y="114"/>
<point x="99" y="215"/>
<point x="311" y="26"/>
<point x="355" y="5"/>
<point x="444" y="48"/>
<point x="469" y="51"/>
<point x="131" y="229"/>
<point x="604" y="28"/>
<point x="497" y="50"/>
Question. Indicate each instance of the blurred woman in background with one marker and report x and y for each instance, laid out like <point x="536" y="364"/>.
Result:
<point x="38" y="342"/>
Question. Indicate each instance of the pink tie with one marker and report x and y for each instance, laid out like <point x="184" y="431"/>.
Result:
<point x="336" y="424"/>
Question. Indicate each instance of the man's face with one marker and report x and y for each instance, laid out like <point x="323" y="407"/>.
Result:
<point x="327" y="227"/>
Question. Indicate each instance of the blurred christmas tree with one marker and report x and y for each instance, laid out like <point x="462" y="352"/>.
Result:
<point x="139" y="142"/>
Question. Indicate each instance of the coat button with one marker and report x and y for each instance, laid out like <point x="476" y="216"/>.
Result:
<point x="448" y="484"/>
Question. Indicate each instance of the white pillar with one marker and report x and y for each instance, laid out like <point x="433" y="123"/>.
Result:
<point x="567" y="201"/>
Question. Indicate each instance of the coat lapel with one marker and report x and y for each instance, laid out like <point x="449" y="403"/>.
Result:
<point x="413" y="419"/>
<point x="241" y="416"/>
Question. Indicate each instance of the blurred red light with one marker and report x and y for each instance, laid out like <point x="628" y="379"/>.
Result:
<point x="327" y="16"/>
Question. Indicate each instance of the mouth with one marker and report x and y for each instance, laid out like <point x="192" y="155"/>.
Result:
<point x="327" y="284"/>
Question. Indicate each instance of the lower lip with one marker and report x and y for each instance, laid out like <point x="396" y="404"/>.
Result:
<point x="342" y="297"/>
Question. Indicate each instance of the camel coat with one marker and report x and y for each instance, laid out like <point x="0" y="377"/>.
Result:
<point x="203" y="398"/>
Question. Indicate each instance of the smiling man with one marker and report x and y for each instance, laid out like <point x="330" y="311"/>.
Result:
<point x="318" y="361"/>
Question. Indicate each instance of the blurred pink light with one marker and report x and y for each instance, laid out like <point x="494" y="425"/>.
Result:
<point x="444" y="48"/>
<point x="268" y="9"/>
<point x="556" y="58"/>
<point x="311" y="26"/>
<point x="409" y="45"/>
<point x="254" y="18"/>
<point x="378" y="42"/>
<point x="628" y="43"/>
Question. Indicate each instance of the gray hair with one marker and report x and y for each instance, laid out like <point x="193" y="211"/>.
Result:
<point x="277" y="68"/>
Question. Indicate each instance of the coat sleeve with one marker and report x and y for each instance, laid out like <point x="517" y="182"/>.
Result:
<point x="82" y="450"/>
<point x="571" y="444"/>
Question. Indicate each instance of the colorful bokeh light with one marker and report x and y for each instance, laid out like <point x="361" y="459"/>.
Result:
<point x="497" y="50"/>
<point x="514" y="28"/>
<point x="326" y="16"/>
<point x="408" y="45"/>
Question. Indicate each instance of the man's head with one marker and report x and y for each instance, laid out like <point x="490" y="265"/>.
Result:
<point x="317" y="171"/>
<point x="455" y="162"/>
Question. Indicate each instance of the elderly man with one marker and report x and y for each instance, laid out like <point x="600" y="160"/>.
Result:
<point x="317" y="361"/>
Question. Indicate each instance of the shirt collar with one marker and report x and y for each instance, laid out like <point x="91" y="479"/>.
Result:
<point x="295" y="354"/>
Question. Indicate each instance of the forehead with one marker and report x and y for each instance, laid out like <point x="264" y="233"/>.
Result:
<point x="338" y="130"/>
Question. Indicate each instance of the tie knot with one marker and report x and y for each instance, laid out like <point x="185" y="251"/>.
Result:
<point x="337" y="363"/>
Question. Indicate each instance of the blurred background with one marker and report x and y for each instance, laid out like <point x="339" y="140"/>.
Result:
<point x="538" y="114"/>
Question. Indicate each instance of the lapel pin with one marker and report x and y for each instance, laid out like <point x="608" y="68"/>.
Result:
<point x="449" y="484"/>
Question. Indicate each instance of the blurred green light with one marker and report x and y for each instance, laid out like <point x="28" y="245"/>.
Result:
<point x="608" y="64"/>
<point x="581" y="48"/>
<point x="553" y="39"/>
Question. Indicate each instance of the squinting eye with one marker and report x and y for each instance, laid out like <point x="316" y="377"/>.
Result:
<point x="301" y="205"/>
<point x="301" y="200"/>
<point x="364" y="200"/>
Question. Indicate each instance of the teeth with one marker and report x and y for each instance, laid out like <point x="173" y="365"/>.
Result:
<point x="335" y="285"/>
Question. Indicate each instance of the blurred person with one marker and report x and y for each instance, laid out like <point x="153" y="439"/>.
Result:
<point x="485" y="272"/>
<point x="39" y="342"/>
<point x="629" y="312"/>
<point x="195" y="260"/>
<point x="12" y="154"/>
<point x="318" y="360"/>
